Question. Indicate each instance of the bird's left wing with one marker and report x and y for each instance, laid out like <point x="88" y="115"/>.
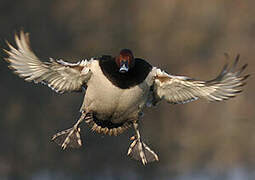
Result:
<point x="181" y="89"/>
<point x="57" y="74"/>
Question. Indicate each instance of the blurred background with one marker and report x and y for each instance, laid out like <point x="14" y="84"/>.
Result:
<point x="198" y="140"/>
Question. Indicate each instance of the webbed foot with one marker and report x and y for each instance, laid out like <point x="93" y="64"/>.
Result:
<point x="138" y="150"/>
<point x="68" y="138"/>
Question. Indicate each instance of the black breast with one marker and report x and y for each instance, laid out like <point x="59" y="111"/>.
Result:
<point x="133" y="77"/>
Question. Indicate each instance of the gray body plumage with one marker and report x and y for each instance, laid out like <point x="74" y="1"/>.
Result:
<point x="109" y="102"/>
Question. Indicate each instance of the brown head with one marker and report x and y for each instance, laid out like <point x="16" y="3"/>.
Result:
<point x="125" y="60"/>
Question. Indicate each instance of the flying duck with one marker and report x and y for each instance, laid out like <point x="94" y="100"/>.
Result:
<point x="117" y="89"/>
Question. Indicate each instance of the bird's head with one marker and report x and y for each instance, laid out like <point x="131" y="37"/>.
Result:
<point x="125" y="60"/>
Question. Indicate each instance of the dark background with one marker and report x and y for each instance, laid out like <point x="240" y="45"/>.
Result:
<point x="196" y="140"/>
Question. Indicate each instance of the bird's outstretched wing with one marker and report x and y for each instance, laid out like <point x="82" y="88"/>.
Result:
<point x="181" y="89"/>
<point x="57" y="74"/>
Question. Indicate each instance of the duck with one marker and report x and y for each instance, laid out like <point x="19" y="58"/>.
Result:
<point x="117" y="89"/>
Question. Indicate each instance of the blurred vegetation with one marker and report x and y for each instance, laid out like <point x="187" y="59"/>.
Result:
<point x="185" y="38"/>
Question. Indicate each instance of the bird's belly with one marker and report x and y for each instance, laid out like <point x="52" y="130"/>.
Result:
<point x="110" y="103"/>
<point x="113" y="104"/>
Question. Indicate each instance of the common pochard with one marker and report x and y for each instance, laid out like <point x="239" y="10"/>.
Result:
<point x="117" y="89"/>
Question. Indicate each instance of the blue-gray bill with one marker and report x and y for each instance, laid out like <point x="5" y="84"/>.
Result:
<point x="124" y="67"/>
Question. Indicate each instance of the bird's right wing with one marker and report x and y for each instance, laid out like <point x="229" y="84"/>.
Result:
<point x="61" y="76"/>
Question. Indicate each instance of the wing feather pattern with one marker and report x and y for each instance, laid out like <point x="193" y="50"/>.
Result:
<point x="181" y="89"/>
<point x="61" y="76"/>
